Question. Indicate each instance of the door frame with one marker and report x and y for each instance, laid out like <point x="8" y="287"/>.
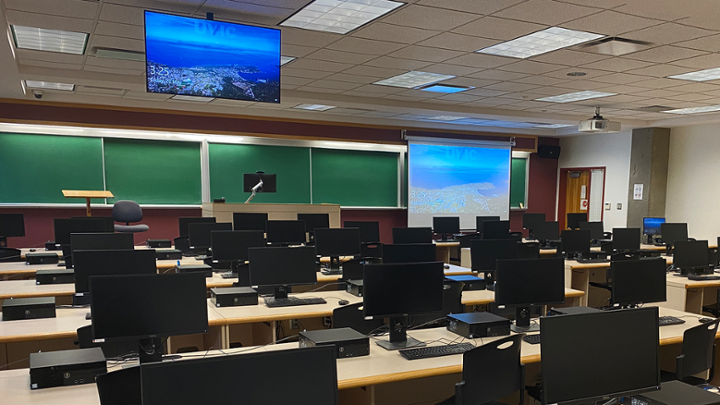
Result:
<point x="562" y="190"/>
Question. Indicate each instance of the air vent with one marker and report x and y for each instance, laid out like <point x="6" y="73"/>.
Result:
<point x="103" y="91"/>
<point x="614" y="46"/>
<point x="655" y="108"/>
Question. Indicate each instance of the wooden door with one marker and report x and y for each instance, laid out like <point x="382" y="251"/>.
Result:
<point x="577" y="194"/>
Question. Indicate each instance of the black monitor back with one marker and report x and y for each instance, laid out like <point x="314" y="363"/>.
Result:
<point x="309" y="374"/>
<point x="314" y="221"/>
<point x="446" y="225"/>
<point x="564" y="346"/>
<point x="337" y="241"/>
<point x="480" y="219"/>
<point x="249" y="221"/>
<point x="353" y="268"/>
<point x="408" y="253"/>
<point x="626" y="239"/>
<point x="638" y="281"/>
<point x="233" y="245"/>
<point x="530" y="220"/>
<point x="575" y="241"/>
<point x="484" y="252"/>
<point x="596" y="229"/>
<point x="392" y="290"/>
<point x="12" y="225"/>
<point x="199" y="232"/>
<point x="109" y="263"/>
<point x="102" y="241"/>
<point x="143" y="306"/>
<point x="369" y="230"/>
<point x="282" y="266"/>
<point x="496" y="229"/>
<point x="286" y="232"/>
<point x="250" y="180"/>
<point x="64" y="227"/>
<point x="412" y="235"/>
<point x="524" y="282"/>
<point x="690" y="255"/>
<point x="184" y="221"/>
<point x="574" y="219"/>
<point x="673" y="232"/>
<point x="547" y="231"/>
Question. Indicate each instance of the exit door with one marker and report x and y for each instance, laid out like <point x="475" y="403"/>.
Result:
<point x="581" y="190"/>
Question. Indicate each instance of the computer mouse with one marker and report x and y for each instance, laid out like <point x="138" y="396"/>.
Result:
<point x="706" y="320"/>
<point x="343" y="302"/>
<point x="447" y="266"/>
<point x="33" y="250"/>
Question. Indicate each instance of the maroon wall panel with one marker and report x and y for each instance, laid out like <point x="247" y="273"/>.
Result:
<point x="388" y="219"/>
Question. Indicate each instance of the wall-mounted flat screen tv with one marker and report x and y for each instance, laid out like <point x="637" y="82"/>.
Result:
<point x="196" y="57"/>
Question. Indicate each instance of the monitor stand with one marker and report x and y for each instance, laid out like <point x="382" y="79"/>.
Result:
<point x="281" y="292"/>
<point x="522" y="321"/>
<point x="398" y="336"/>
<point x="334" y="267"/>
<point x="489" y="281"/>
<point x="150" y="350"/>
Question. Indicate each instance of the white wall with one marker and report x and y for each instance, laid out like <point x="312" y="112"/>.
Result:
<point x="693" y="187"/>
<point x="611" y="151"/>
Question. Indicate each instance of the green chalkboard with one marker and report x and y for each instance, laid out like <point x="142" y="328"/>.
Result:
<point x="355" y="178"/>
<point x="517" y="182"/>
<point x="36" y="168"/>
<point x="153" y="172"/>
<point x="228" y="163"/>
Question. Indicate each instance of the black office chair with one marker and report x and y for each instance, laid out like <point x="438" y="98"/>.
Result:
<point x="528" y="250"/>
<point x="371" y="249"/>
<point x="128" y="211"/>
<point x="351" y="316"/>
<point x="490" y="372"/>
<point x="698" y="355"/>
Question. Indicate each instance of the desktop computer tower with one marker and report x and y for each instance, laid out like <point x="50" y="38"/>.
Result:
<point x="28" y="308"/>
<point x="193" y="268"/>
<point x="66" y="367"/>
<point x="158" y="243"/>
<point x="478" y="325"/>
<point x="59" y="276"/>
<point x="347" y="341"/>
<point x="470" y="283"/>
<point x="355" y="287"/>
<point x="41" y="258"/>
<point x="233" y="296"/>
<point x="168" y="254"/>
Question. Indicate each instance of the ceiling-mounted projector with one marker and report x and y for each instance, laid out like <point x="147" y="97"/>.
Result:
<point x="598" y="124"/>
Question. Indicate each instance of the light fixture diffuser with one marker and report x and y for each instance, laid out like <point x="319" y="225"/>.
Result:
<point x="699" y="76"/>
<point x="314" y="107"/>
<point x="540" y="42"/>
<point x="37" y="84"/>
<point x="40" y="39"/>
<point x="183" y="97"/>
<point x="445" y="118"/>
<point x="444" y="88"/>
<point x="576" y="96"/>
<point x="339" y="16"/>
<point x="694" y="110"/>
<point x="286" y="59"/>
<point x="413" y="79"/>
<point x="552" y="126"/>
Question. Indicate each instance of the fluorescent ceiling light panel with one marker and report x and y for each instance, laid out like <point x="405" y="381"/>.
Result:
<point x="552" y="126"/>
<point x="699" y="76"/>
<point x="577" y="96"/>
<point x="314" y="107"/>
<point x="443" y="88"/>
<point x="445" y="118"/>
<point x="40" y="39"/>
<point x="540" y="42"/>
<point x="36" y="84"/>
<point x="413" y="79"/>
<point x="183" y="97"/>
<point x="339" y="16"/>
<point x="286" y="59"/>
<point x="695" y="110"/>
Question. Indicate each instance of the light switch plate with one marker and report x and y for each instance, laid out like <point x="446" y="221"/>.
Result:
<point x="619" y="206"/>
<point x="607" y="206"/>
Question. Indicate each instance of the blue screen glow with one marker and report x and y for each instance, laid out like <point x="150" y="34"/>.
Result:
<point x="197" y="57"/>
<point x="439" y="88"/>
<point x="651" y="226"/>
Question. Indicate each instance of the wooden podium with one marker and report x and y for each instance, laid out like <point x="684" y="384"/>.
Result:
<point x="223" y="212"/>
<point x="87" y="195"/>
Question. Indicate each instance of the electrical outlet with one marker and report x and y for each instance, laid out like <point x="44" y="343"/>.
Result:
<point x="294" y="324"/>
<point x="619" y="206"/>
<point x="327" y="321"/>
<point x="607" y="206"/>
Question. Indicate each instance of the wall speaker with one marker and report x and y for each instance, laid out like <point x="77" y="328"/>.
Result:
<point x="548" y="151"/>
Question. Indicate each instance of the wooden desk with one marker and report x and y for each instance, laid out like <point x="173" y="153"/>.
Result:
<point x="443" y="250"/>
<point x="20" y="269"/>
<point x="87" y="195"/>
<point x="484" y="297"/>
<point x="690" y="296"/>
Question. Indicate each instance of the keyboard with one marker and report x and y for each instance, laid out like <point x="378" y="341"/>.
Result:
<point x="585" y="260"/>
<point x="670" y="320"/>
<point x="702" y="277"/>
<point x="292" y="301"/>
<point x="228" y="274"/>
<point x="532" y="339"/>
<point x="436" y="351"/>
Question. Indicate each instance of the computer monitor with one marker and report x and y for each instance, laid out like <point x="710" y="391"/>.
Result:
<point x="251" y="180"/>
<point x="310" y="374"/>
<point x="102" y="241"/>
<point x="64" y="227"/>
<point x="286" y="232"/>
<point x="445" y="226"/>
<point x="412" y="235"/>
<point x="408" y="253"/>
<point x="336" y="242"/>
<point x="480" y="219"/>
<point x="421" y="292"/>
<point x="11" y="225"/>
<point x="547" y="231"/>
<point x="184" y="221"/>
<point x="353" y="268"/>
<point x="574" y="219"/>
<point x="89" y="263"/>
<point x="249" y="221"/>
<point x="199" y="233"/>
<point x="530" y="220"/>
<point x="575" y="243"/>
<point x="314" y="221"/>
<point x="597" y="229"/>
<point x="626" y="239"/>
<point x="485" y="252"/>
<point x="232" y="246"/>
<point x="281" y="267"/>
<point x="673" y="232"/>
<point x="496" y="229"/>
<point x="571" y="342"/>
<point x="636" y="282"/>
<point x="369" y="230"/>
<point x="691" y="257"/>
<point x="147" y="307"/>
<point x="651" y="225"/>
<point x="522" y="283"/>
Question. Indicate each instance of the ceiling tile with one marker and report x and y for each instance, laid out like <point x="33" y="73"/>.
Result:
<point x="590" y="74"/>
<point x="55" y="57"/>
<point x="472" y="6"/>
<point x="664" y="54"/>
<point x="312" y="89"/>
<point x="120" y="30"/>
<point x="469" y="82"/>
<point x="700" y="62"/>
<point x="486" y="92"/>
<point x="257" y="13"/>
<point x="52" y="65"/>
<point x="480" y="61"/>
<point x="490" y="102"/>
<point x="530" y="67"/>
<point x="425" y="53"/>
<point x="547" y="12"/>
<point x="619" y="78"/>
<point x="418" y="94"/>
<point x="666" y="10"/>
<point x="122" y="14"/>
<point x="338" y="56"/>
<point x="569" y="57"/>
<point x="148" y="96"/>
<point x="300" y="51"/>
<point x="608" y="4"/>
<point x="690" y="97"/>
<point x="344" y="77"/>
<point x="668" y="33"/>
<point x="394" y="33"/>
<point x="498" y="28"/>
<point x="623" y="89"/>
<point x="656" y="93"/>
<point x="364" y="46"/>
<point x="63" y="8"/>
<point x="296" y="81"/>
<point x="318" y="39"/>
<point x="429" y="18"/>
<point x="660" y="71"/>
<point x="448" y="69"/>
<point x="397" y="63"/>
<point x="711" y="43"/>
<point x="102" y="41"/>
<point x="510" y="86"/>
<point x="313" y="64"/>
<point x="696" y="88"/>
<point x="114" y="63"/>
<point x="380" y="73"/>
<point x="618" y="64"/>
<point x="578" y="85"/>
<point x="304" y="73"/>
<point x="377" y="89"/>
<point x="357" y="93"/>
<point x="541" y="80"/>
<point x="463" y="98"/>
<point x="658" y="83"/>
<point x="492" y="74"/>
<point x="128" y="72"/>
<point x="50" y="22"/>
<point x="458" y="42"/>
<point x="610" y="23"/>
<point x="334" y="84"/>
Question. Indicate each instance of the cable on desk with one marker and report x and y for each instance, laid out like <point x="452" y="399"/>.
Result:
<point x="427" y="323"/>
<point x="10" y="257"/>
<point x="14" y="362"/>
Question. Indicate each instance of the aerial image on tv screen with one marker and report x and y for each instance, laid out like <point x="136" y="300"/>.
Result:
<point x="195" y="57"/>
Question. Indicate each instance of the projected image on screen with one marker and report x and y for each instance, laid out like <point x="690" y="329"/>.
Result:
<point x="465" y="181"/>
<point x="195" y="57"/>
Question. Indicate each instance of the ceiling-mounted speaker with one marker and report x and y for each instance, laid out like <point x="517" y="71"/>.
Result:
<point x="548" y="151"/>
